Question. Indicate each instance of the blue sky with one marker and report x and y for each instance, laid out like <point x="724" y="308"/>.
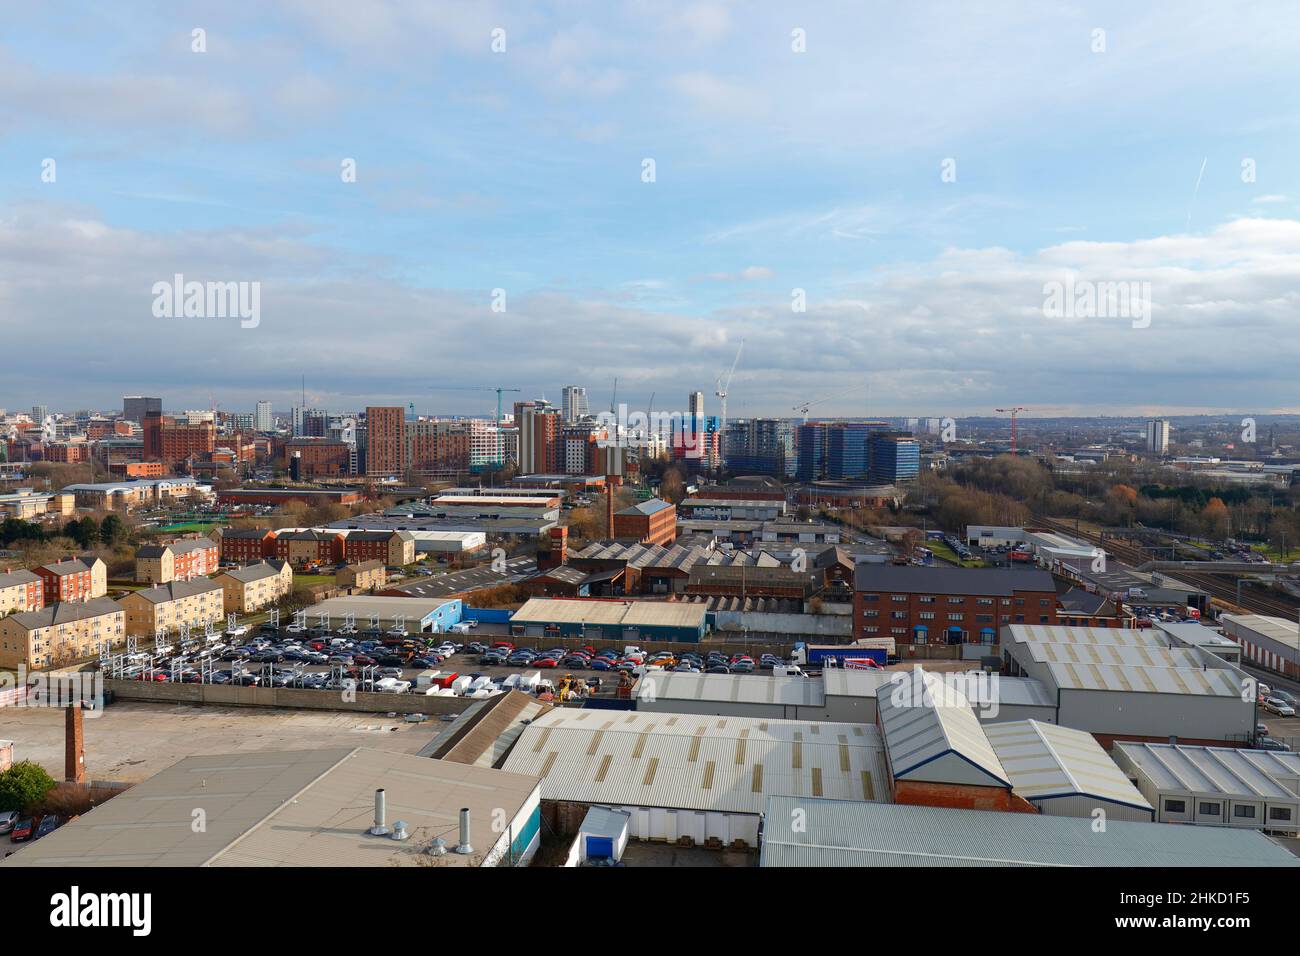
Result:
<point x="775" y="170"/>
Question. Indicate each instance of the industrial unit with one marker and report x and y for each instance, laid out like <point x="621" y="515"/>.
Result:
<point x="685" y="777"/>
<point x="846" y="833"/>
<point x="1216" y="786"/>
<point x="1129" y="685"/>
<point x="611" y="620"/>
<point x="414" y="614"/>
<point x="1064" y="772"/>
<point x="1271" y="642"/>
<point x="304" y="808"/>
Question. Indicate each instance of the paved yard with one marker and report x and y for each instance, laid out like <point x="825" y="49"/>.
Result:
<point x="133" y="740"/>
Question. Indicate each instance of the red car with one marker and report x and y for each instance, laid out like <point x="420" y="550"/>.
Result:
<point x="545" y="662"/>
<point x="23" y="830"/>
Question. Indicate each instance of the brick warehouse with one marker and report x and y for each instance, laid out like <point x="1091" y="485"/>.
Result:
<point x="647" y="522"/>
<point x="919" y="605"/>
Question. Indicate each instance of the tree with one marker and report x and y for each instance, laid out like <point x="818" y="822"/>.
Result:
<point x="1214" y="518"/>
<point x="112" y="530"/>
<point x="23" y="786"/>
<point x="671" y="487"/>
<point x="84" y="531"/>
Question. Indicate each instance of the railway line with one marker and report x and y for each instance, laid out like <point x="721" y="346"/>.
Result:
<point x="1224" y="592"/>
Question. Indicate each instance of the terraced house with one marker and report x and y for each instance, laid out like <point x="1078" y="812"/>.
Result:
<point x="300" y="548"/>
<point x="181" y="560"/>
<point x="81" y="578"/>
<point x="395" y="548"/>
<point x="165" y="608"/>
<point x="61" y="633"/>
<point x="20" y="591"/>
<point x="251" y="588"/>
<point x="246" y="545"/>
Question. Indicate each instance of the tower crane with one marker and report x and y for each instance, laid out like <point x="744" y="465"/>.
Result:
<point x="803" y="409"/>
<point x="722" y="387"/>
<point x="1014" y="412"/>
<point x="484" y="388"/>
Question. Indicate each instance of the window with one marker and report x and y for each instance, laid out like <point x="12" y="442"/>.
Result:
<point x="1279" y="813"/>
<point x="926" y="599"/>
<point x="870" y="613"/>
<point x="955" y="617"/>
<point x="1209" y="809"/>
<point x="898" y="598"/>
<point x="898" y="615"/>
<point x="983" y="600"/>
<point x="1175" y="806"/>
<point x="871" y="597"/>
<point x="926" y="615"/>
<point x="1243" y="811"/>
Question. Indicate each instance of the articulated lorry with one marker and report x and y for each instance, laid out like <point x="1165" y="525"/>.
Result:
<point x="876" y="650"/>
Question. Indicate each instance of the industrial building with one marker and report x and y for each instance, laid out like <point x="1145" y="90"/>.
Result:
<point x="611" y="620"/>
<point x="920" y="605"/>
<point x="843" y="833"/>
<point x="413" y="614"/>
<point x="1199" y="635"/>
<point x="939" y="754"/>
<point x="1064" y="772"/>
<point x="304" y="808"/>
<point x="703" y="780"/>
<point x="1216" y="786"/>
<point x="1272" y="643"/>
<point x="1130" y="685"/>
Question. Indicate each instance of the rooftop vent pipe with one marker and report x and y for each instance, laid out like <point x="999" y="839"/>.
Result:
<point x="379" y="829"/>
<point x="463" y="847"/>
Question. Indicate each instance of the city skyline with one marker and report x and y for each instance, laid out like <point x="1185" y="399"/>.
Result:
<point x="922" y="233"/>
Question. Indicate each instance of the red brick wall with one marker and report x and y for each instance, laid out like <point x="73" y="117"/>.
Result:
<point x="959" y="797"/>
<point x="1029" y="612"/>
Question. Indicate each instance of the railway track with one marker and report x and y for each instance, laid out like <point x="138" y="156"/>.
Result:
<point x="1223" y="591"/>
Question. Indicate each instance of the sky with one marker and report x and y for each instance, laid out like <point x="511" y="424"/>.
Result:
<point x="877" y="199"/>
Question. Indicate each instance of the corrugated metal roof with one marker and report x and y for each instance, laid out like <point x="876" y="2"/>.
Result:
<point x="1047" y="760"/>
<point x="1215" y="771"/>
<point x="285" y="808"/>
<point x="1211" y="682"/>
<point x="734" y="688"/>
<point x="696" y="762"/>
<point x="1138" y="656"/>
<point x="625" y="613"/>
<point x="924" y="719"/>
<point x="844" y="833"/>
<point x="1275" y="628"/>
<point x="1062" y="634"/>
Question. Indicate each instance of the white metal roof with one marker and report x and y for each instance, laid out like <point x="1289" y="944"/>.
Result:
<point x="1047" y="760"/>
<point x="696" y="762"/>
<point x="1138" y="656"/>
<point x="1278" y="629"/>
<point x="843" y="833"/>
<point x="932" y="733"/>
<point x="1195" y="633"/>
<point x="1216" y="771"/>
<point x="735" y="688"/>
<point x="626" y="613"/>
<point x="1210" y="682"/>
<point x="1063" y="634"/>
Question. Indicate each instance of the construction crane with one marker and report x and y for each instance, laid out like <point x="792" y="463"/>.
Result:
<point x="1014" y="412"/>
<point x="803" y="409"/>
<point x="483" y="388"/>
<point x="613" y="399"/>
<point x="722" y="386"/>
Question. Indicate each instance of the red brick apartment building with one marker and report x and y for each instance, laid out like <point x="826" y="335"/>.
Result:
<point x="385" y="440"/>
<point x="308" y="547"/>
<point x="194" y="557"/>
<point x="72" y="579"/>
<point x="246" y="545"/>
<point x="919" y="605"/>
<point x="318" y="457"/>
<point x="168" y="440"/>
<point x="647" y="522"/>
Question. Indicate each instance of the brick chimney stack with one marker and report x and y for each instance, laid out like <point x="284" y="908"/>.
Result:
<point x="609" y="507"/>
<point x="74" y="748"/>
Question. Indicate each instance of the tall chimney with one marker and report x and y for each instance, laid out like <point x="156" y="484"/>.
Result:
<point x="609" y="506"/>
<point x="74" y="748"/>
<point x="379" y="829"/>
<point x="463" y="847"/>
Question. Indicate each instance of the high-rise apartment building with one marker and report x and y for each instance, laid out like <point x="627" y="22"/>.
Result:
<point x="761" y="446"/>
<point x="1158" y="436"/>
<point x="264" y="418"/>
<point x="574" y="404"/>
<point x="385" y="440"/>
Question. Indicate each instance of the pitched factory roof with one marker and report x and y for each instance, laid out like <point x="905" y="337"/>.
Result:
<point x="694" y="762"/>
<point x="1046" y="760"/>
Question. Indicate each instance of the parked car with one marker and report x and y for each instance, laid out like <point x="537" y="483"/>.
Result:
<point x="22" y="830"/>
<point x="8" y="820"/>
<point x="1269" y="743"/>
<point x="1275" y="705"/>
